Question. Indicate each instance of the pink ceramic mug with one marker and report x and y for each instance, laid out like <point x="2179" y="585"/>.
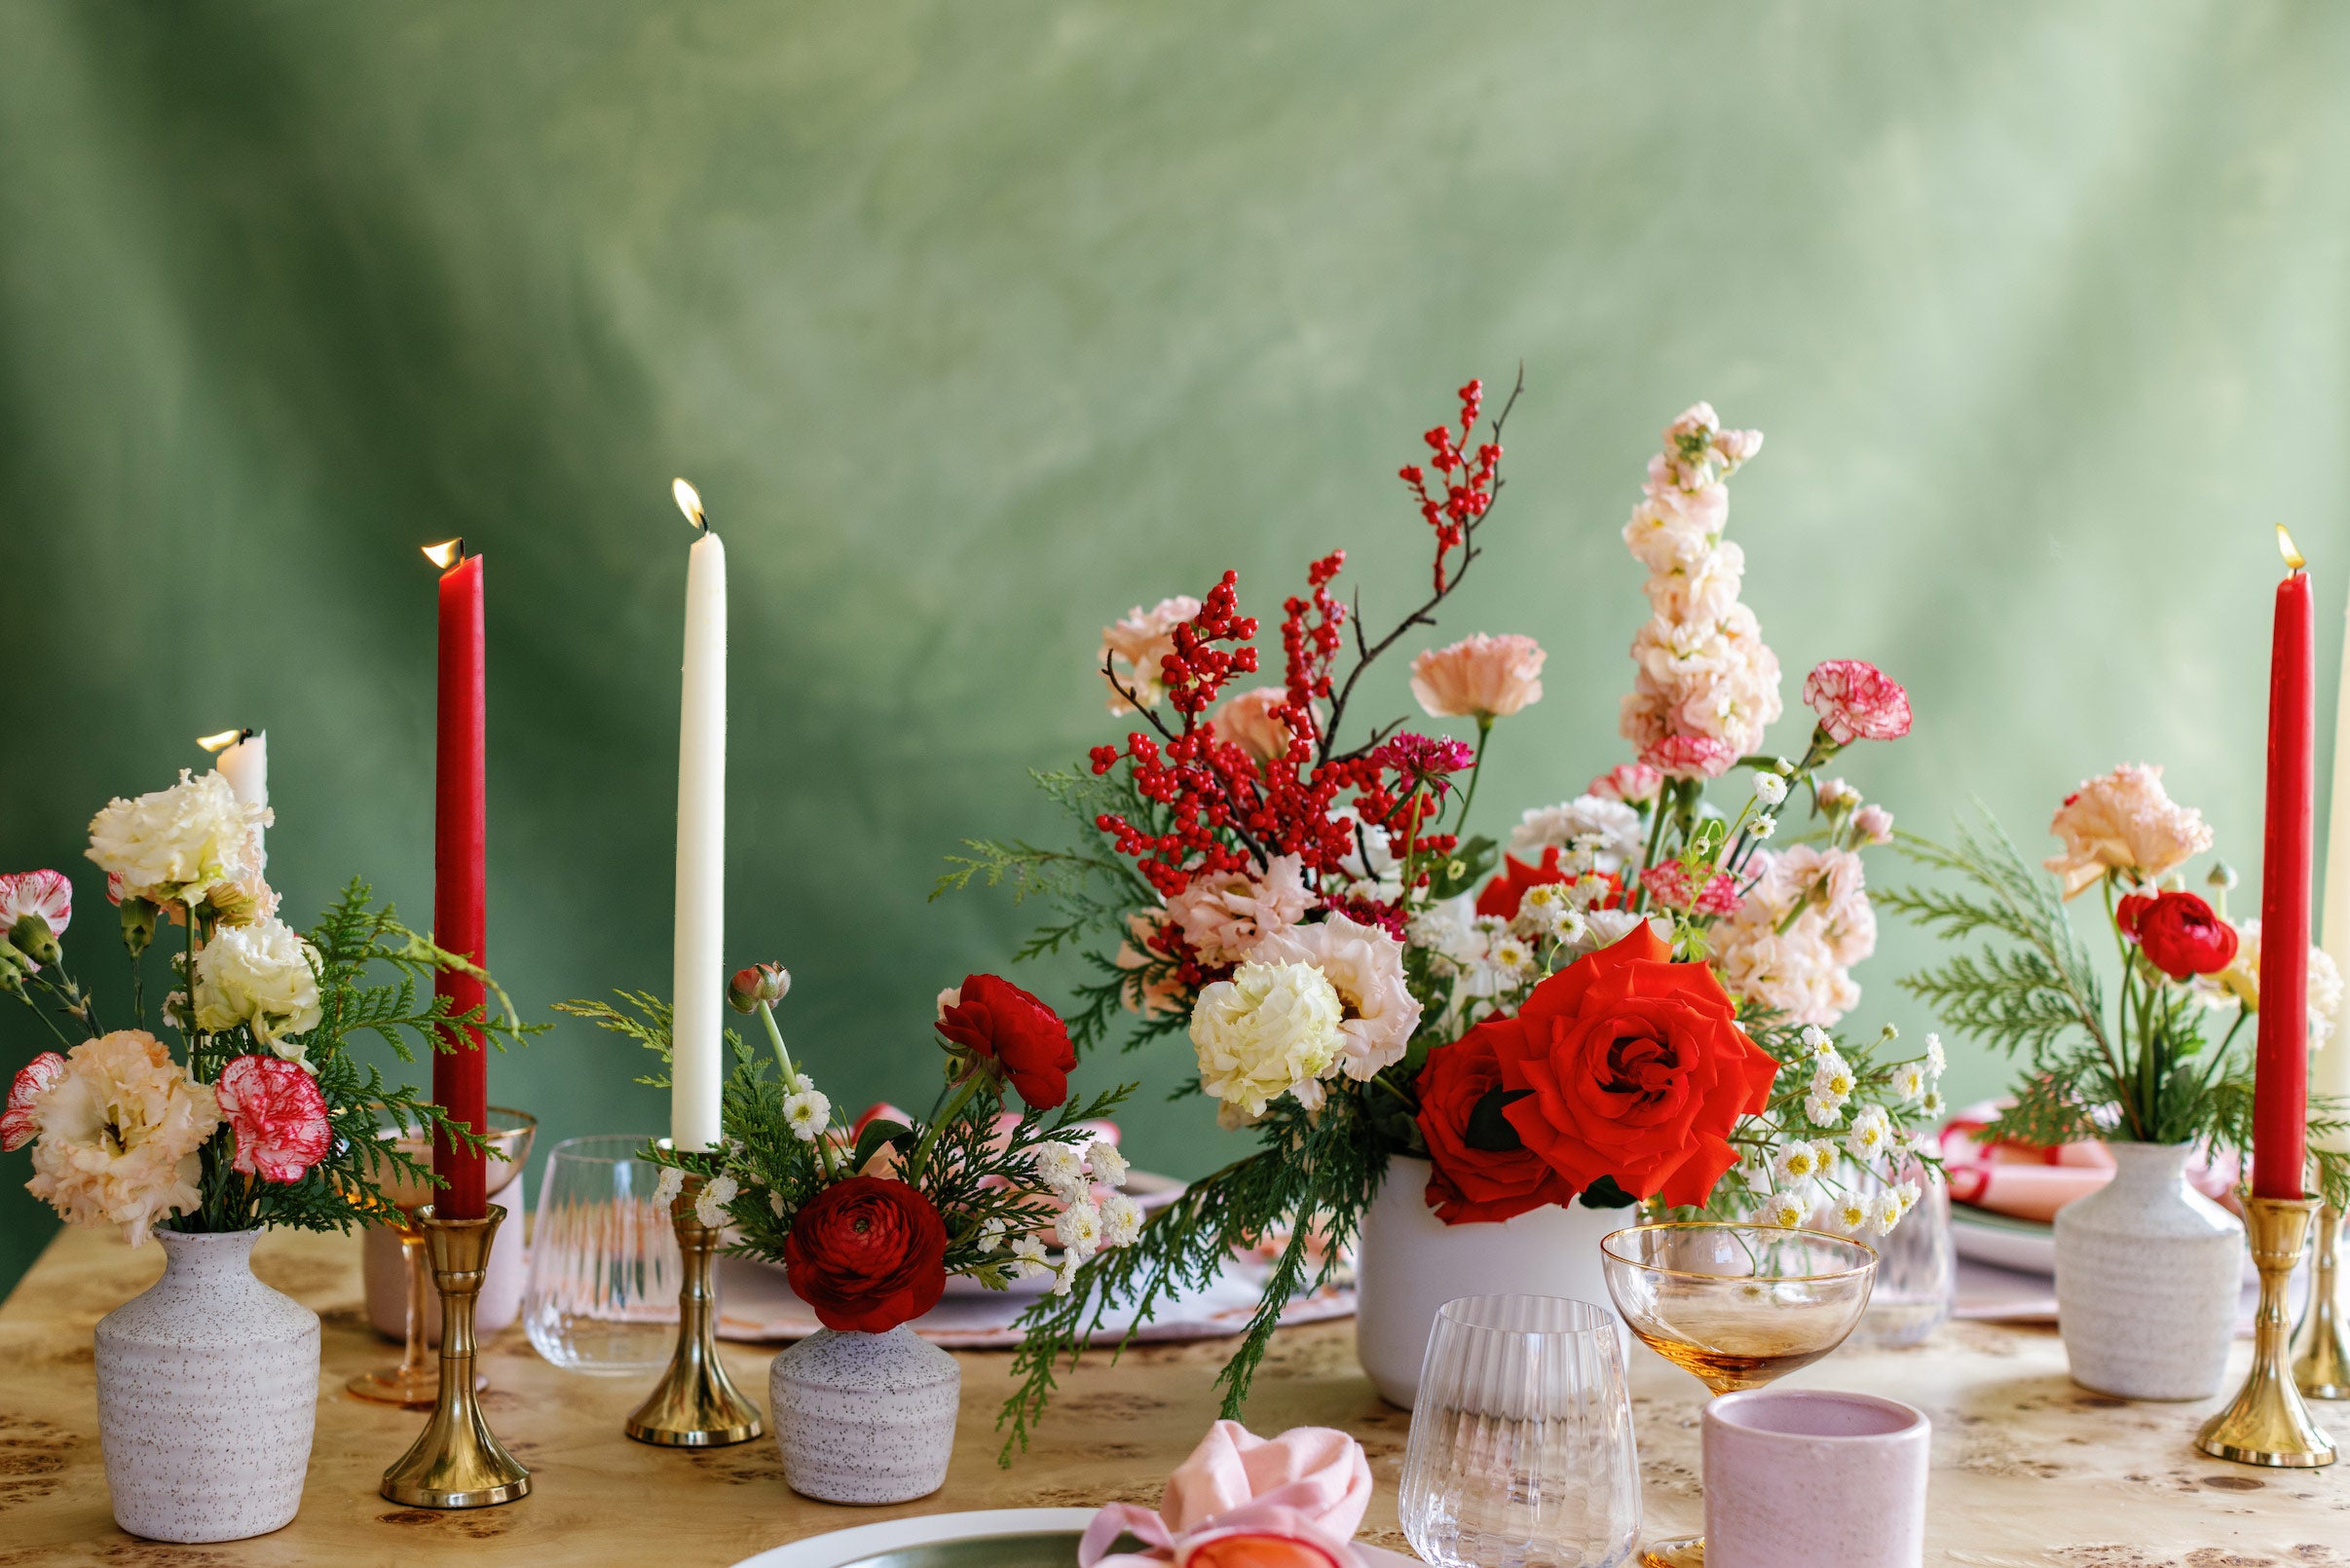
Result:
<point x="1795" y="1477"/>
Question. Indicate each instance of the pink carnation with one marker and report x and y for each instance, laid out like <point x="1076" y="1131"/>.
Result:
<point x="1479" y="676"/>
<point x="46" y="893"/>
<point x="1668" y="882"/>
<point x="1629" y="782"/>
<point x="1684" y="756"/>
<point x="20" y="1125"/>
<point x="1857" y="702"/>
<point x="1874" y="824"/>
<point x="1720" y="895"/>
<point x="278" y="1115"/>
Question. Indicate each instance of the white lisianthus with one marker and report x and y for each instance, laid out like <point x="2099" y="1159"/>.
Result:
<point x="1107" y="1165"/>
<point x="182" y="844"/>
<point x="263" y="976"/>
<point x="1871" y="1130"/>
<point x="1061" y="1167"/>
<point x="1770" y="788"/>
<point x="1270" y="1031"/>
<point x="1121" y="1221"/>
<point x="709" y="1204"/>
<point x="1028" y="1256"/>
<point x="807" y="1113"/>
<point x="671" y="1183"/>
<point x="1080" y="1230"/>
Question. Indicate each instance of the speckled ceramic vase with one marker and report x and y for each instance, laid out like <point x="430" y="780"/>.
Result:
<point x="2148" y="1272"/>
<point x="865" y="1418"/>
<point x="207" y="1392"/>
<point x="1409" y="1263"/>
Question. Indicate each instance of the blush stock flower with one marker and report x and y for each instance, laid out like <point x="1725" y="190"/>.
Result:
<point x="1249" y="722"/>
<point x="1478" y="677"/>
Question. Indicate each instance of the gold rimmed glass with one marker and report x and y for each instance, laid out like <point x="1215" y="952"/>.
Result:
<point x="1735" y="1306"/>
<point x="415" y="1383"/>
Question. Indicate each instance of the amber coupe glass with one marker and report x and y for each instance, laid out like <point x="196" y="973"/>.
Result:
<point x="1737" y="1306"/>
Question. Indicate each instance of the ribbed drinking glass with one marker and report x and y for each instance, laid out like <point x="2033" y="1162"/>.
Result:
<point x="1521" y="1452"/>
<point x="605" y="1269"/>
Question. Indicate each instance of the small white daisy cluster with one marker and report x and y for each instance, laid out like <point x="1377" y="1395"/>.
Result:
<point x="1072" y="1172"/>
<point x="1876" y="1117"/>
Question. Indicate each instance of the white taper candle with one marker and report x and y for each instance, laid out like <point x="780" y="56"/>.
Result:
<point x="699" y="973"/>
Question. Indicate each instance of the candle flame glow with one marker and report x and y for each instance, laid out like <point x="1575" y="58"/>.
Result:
<point x="2288" y="549"/>
<point x="689" y="501"/>
<point x="222" y="741"/>
<point x="447" y="553"/>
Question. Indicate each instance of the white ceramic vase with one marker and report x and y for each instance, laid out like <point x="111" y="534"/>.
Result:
<point x="1409" y="1263"/>
<point x="2147" y="1276"/>
<point x="207" y="1393"/>
<point x="865" y="1418"/>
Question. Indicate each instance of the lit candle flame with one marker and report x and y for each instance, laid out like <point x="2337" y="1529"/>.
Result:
<point x="222" y="741"/>
<point x="689" y="501"/>
<point x="447" y="553"/>
<point x="2288" y="549"/>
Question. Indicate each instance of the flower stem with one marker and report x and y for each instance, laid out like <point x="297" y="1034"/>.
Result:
<point x="930" y="1135"/>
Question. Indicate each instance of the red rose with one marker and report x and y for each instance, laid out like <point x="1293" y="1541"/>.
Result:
<point x="1638" y="1071"/>
<point x="990" y="1016"/>
<point x="1484" y="1170"/>
<point x="867" y="1255"/>
<point x="2179" y="933"/>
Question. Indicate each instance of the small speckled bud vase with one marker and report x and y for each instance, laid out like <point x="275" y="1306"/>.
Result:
<point x="2148" y="1272"/>
<point x="207" y="1393"/>
<point x="1802" y="1477"/>
<point x="865" y="1418"/>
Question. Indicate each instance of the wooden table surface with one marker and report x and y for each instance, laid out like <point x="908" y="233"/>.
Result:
<point x="2027" y="1468"/>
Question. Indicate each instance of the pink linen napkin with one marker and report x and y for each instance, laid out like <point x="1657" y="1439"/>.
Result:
<point x="1242" y="1501"/>
<point x="2030" y="1183"/>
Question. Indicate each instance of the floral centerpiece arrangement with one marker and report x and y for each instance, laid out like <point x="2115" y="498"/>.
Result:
<point x="1633" y="1000"/>
<point x="265" y="1116"/>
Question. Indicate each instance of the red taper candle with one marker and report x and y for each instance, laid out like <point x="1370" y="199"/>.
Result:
<point x="460" y="923"/>
<point x="2281" y="1085"/>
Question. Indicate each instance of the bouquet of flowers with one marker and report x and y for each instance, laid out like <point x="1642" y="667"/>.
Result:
<point x="869" y="1217"/>
<point x="1637" y="1006"/>
<point x="265" y="1117"/>
<point x="2149" y="1069"/>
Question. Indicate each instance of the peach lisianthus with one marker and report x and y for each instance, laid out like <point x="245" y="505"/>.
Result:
<point x="2123" y="821"/>
<point x="1365" y="965"/>
<point x="1225" y="917"/>
<point x="1248" y="721"/>
<point x="1478" y="677"/>
<point x="1133" y="649"/>
<point x="119" y="1132"/>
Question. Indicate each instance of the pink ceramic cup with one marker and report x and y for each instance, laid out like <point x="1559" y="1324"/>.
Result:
<point x="1795" y="1478"/>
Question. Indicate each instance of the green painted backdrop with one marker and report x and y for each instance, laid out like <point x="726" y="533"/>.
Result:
<point x="978" y="323"/>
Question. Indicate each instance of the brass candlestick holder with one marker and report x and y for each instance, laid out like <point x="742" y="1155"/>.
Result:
<point x="696" y="1404"/>
<point x="2321" y="1365"/>
<point x="456" y="1462"/>
<point x="2267" y="1423"/>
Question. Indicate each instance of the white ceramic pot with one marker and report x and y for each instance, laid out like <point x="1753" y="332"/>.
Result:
<point x="865" y="1418"/>
<point x="2147" y="1274"/>
<point x="207" y="1392"/>
<point x="1409" y="1263"/>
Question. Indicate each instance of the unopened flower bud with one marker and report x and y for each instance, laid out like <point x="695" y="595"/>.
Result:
<point x="2221" y="876"/>
<point x="232" y="904"/>
<point x="758" y="983"/>
<point x="32" y="937"/>
<point x="139" y="924"/>
<point x="12" y="968"/>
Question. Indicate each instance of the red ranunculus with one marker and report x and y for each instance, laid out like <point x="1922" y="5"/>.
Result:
<point x="867" y="1255"/>
<point x="1638" y="1071"/>
<point x="2179" y="933"/>
<point x="1484" y="1170"/>
<point x="990" y="1016"/>
<point x="277" y="1116"/>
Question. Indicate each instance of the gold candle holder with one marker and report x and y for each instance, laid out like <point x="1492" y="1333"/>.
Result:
<point x="696" y="1404"/>
<point x="456" y="1462"/>
<point x="2321" y="1365"/>
<point x="2267" y="1423"/>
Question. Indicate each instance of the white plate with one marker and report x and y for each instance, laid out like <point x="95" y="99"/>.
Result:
<point x="2027" y="1246"/>
<point x="838" y="1548"/>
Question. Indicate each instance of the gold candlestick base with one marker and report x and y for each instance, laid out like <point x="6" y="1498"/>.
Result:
<point x="2267" y="1423"/>
<point x="456" y="1462"/>
<point x="696" y="1404"/>
<point x="2321" y="1365"/>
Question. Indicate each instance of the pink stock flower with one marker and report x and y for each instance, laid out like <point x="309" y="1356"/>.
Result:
<point x="1857" y="702"/>
<point x="1874" y="824"/>
<point x="1478" y="677"/>
<point x="1633" y="783"/>
<point x="46" y="893"/>
<point x="1248" y="722"/>
<point x="278" y="1115"/>
<point x="21" y="1124"/>
<point x="1680" y="755"/>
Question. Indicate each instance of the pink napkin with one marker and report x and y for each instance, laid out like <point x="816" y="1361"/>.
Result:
<point x="2030" y="1182"/>
<point x="1242" y="1501"/>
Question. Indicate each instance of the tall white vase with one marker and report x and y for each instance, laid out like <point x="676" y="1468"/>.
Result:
<point x="1409" y="1263"/>
<point x="207" y="1393"/>
<point x="2147" y="1277"/>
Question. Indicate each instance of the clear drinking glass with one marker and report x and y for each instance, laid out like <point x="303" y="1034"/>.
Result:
<point x="1520" y="1453"/>
<point x="605" y="1269"/>
<point x="1917" y="1269"/>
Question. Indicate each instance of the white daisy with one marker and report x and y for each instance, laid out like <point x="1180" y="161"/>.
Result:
<point x="1080" y="1230"/>
<point x="990" y="1235"/>
<point x="1796" y="1164"/>
<point x="1062" y="1170"/>
<point x="807" y="1113"/>
<point x="1788" y="1209"/>
<point x="1817" y="1041"/>
<point x="1823" y="1155"/>
<point x="1931" y="1104"/>
<point x="1871" y="1131"/>
<point x="1121" y="1221"/>
<point x="1851" y="1211"/>
<point x="1822" y="1110"/>
<point x="1763" y="825"/>
<point x="1028" y="1256"/>
<point x="1770" y="788"/>
<point x="1067" y="1277"/>
<point x="672" y="1183"/>
<point x="1936" y="1058"/>
<point x="1885" y="1213"/>
<point x="1910" y="1081"/>
<point x="709" y="1204"/>
<point x="1106" y="1163"/>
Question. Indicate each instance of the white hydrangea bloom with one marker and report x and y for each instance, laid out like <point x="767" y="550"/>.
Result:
<point x="807" y="1113"/>
<point x="1269" y="1030"/>
<point x="1080" y="1230"/>
<point x="1121" y="1221"/>
<point x="709" y="1204"/>
<point x="1106" y="1163"/>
